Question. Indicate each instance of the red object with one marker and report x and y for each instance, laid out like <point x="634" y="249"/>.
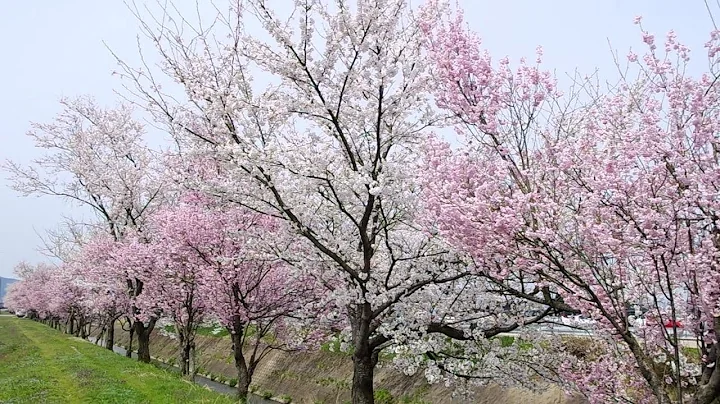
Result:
<point x="669" y="324"/>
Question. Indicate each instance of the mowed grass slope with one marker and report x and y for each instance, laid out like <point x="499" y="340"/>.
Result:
<point x="41" y="365"/>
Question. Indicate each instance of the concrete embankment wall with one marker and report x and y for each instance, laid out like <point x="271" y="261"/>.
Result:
<point x="324" y="377"/>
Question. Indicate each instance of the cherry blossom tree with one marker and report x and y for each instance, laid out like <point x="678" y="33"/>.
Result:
<point x="68" y="300"/>
<point x="609" y="206"/>
<point x="135" y="257"/>
<point x="106" y="287"/>
<point x="332" y="147"/>
<point x="176" y="238"/>
<point x="97" y="158"/>
<point x="53" y="295"/>
<point x="64" y="241"/>
<point x="218" y="261"/>
<point x="27" y="294"/>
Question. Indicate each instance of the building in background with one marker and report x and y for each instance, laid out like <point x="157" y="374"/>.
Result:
<point x="4" y="283"/>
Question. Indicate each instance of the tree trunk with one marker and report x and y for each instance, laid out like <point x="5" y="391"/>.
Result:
<point x="705" y="396"/>
<point x="192" y="362"/>
<point x="128" y="352"/>
<point x="185" y="357"/>
<point x="186" y="336"/>
<point x="644" y="363"/>
<point x="143" y="338"/>
<point x="69" y="329"/>
<point x="101" y="335"/>
<point x="708" y="391"/>
<point x="110" y="334"/>
<point x="244" y="376"/>
<point x="84" y="329"/>
<point x="362" y="385"/>
<point x="364" y="359"/>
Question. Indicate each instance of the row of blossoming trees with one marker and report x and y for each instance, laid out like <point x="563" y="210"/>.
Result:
<point x="193" y="261"/>
<point x="321" y="203"/>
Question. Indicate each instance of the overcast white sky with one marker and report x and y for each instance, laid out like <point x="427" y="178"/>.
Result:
<point x="51" y="49"/>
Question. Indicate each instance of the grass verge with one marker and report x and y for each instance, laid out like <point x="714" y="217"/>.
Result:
<point x="42" y="365"/>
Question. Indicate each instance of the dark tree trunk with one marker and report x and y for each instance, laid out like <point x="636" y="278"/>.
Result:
<point x="185" y="359"/>
<point x="70" y="329"/>
<point x="99" y="340"/>
<point x="708" y="391"/>
<point x="110" y="334"/>
<point x="128" y="353"/>
<point x="186" y="336"/>
<point x="143" y="338"/>
<point x="192" y="368"/>
<point x="244" y="376"/>
<point x="363" y="372"/>
<point x="80" y="328"/>
<point x="84" y="329"/>
<point x="364" y="358"/>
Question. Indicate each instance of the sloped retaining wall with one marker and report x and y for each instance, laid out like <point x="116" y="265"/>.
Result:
<point x="324" y="377"/>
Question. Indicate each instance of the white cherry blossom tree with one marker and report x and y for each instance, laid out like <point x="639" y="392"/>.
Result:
<point x="333" y="145"/>
<point x="96" y="157"/>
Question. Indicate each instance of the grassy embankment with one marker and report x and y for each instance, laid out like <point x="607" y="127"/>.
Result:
<point x="39" y="364"/>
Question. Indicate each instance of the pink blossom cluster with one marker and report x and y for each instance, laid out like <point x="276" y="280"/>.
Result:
<point x="610" y="205"/>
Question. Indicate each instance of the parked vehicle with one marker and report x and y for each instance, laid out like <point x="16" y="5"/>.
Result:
<point x="670" y="323"/>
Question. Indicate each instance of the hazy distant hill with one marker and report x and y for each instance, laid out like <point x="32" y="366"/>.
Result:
<point x="4" y="282"/>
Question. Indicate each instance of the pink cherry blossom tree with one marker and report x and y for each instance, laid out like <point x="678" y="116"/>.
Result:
<point x="67" y="296"/>
<point x="106" y="288"/>
<point x="135" y="258"/>
<point x="238" y="279"/>
<point x="53" y="295"/>
<point x="177" y="235"/>
<point x="27" y="295"/>
<point x="609" y="205"/>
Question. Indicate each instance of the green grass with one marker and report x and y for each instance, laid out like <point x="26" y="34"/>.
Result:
<point x="41" y="365"/>
<point x="508" y="340"/>
<point x="333" y="346"/>
<point x="692" y="354"/>
<point x="217" y="332"/>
